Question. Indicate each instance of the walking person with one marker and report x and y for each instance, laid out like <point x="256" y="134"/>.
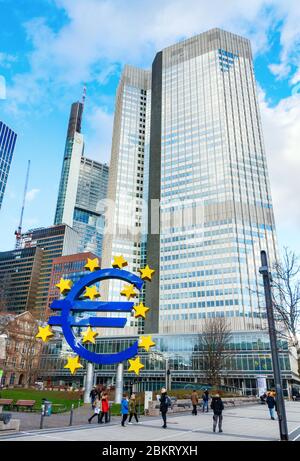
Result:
<point x="271" y="402"/>
<point x="93" y="394"/>
<point x="195" y="400"/>
<point x="132" y="409"/>
<point x="217" y="406"/>
<point x="97" y="409"/>
<point x="205" y="399"/>
<point x="124" y="409"/>
<point x="104" y="408"/>
<point x="165" y="403"/>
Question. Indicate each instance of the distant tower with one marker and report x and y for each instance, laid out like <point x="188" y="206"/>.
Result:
<point x="83" y="185"/>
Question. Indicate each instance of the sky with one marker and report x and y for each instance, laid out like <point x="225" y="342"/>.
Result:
<point x="50" y="48"/>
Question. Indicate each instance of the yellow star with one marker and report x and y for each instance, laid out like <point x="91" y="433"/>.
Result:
<point x="119" y="262"/>
<point x="44" y="333"/>
<point x="135" y="365"/>
<point x="141" y="310"/>
<point x="92" y="264"/>
<point x="64" y="285"/>
<point x="146" y="273"/>
<point x="146" y="342"/>
<point x="128" y="291"/>
<point x="89" y="335"/>
<point x="91" y="292"/>
<point x="73" y="364"/>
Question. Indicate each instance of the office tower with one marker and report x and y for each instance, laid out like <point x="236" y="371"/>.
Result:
<point x="82" y="189"/>
<point x="7" y="145"/>
<point x="88" y="217"/>
<point x="70" y="170"/>
<point x="128" y="182"/>
<point x="55" y="241"/>
<point x="19" y="277"/>
<point x="207" y="152"/>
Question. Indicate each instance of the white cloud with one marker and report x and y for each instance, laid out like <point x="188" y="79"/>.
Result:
<point x="6" y="60"/>
<point x="281" y="127"/>
<point x="99" y="145"/>
<point x="31" y="194"/>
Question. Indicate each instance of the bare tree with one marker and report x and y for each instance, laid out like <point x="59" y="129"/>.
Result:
<point x="215" y="338"/>
<point x="286" y="298"/>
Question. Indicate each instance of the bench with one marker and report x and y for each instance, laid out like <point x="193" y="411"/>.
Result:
<point x="25" y="404"/>
<point x="6" y="402"/>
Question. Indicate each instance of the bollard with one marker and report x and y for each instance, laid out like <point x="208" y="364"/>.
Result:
<point x="42" y="417"/>
<point x="71" y="415"/>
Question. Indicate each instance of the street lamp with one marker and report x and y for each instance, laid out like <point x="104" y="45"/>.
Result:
<point x="264" y="270"/>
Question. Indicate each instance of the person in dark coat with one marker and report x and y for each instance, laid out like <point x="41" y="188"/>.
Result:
<point x="132" y="409"/>
<point x="93" y="395"/>
<point x="271" y="402"/>
<point x="164" y="405"/>
<point x="205" y="399"/>
<point x="217" y="406"/>
<point x="195" y="400"/>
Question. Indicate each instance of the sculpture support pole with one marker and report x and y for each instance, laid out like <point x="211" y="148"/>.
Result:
<point x="119" y="383"/>
<point x="89" y="382"/>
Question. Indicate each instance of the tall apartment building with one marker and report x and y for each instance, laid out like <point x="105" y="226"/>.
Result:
<point x="128" y="182"/>
<point x="82" y="189"/>
<point x="55" y="241"/>
<point x="7" y="145"/>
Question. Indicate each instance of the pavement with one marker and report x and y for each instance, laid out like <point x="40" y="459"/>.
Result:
<point x="247" y="423"/>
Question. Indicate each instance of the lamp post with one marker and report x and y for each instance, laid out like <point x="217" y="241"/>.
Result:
<point x="264" y="270"/>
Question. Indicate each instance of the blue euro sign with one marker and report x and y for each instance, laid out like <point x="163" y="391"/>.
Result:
<point x="72" y="303"/>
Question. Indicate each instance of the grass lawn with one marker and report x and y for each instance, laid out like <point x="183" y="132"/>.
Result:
<point x="62" y="400"/>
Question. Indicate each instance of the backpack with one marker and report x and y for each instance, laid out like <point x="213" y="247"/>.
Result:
<point x="168" y="402"/>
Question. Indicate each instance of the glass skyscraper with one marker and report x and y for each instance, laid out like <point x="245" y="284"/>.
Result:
<point x="128" y="183"/>
<point x="207" y="154"/>
<point x="188" y="136"/>
<point x="7" y="145"/>
<point x="82" y="189"/>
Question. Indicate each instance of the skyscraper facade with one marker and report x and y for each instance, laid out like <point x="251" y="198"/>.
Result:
<point x="207" y="154"/>
<point x="7" y="145"/>
<point x="88" y="217"/>
<point x="128" y="181"/>
<point x="82" y="189"/>
<point x="19" y="279"/>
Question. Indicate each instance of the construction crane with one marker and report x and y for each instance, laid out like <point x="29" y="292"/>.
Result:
<point x="18" y="233"/>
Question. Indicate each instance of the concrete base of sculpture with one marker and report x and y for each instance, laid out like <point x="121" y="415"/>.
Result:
<point x="13" y="425"/>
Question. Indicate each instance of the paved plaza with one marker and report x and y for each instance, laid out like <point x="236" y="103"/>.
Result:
<point x="249" y="423"/>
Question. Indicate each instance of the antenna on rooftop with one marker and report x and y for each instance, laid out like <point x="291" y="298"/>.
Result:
<point x="18" y="233"/>
<point x="83" y="96"/>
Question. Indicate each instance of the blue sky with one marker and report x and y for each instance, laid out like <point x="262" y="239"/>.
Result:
<point x="50" y="48"/>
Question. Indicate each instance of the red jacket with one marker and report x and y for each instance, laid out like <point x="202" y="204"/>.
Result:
<point x="105" y="405"/>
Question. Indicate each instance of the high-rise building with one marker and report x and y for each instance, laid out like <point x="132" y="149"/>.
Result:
<point x="7" y="145"/>
<point x="207" y="170"/>
<point x="82" y="189"/>
<point x="19" y="277"/>
<point x="207" y="154"/>
<point x="55" y="241"/>
<point x="128" y="182"/>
